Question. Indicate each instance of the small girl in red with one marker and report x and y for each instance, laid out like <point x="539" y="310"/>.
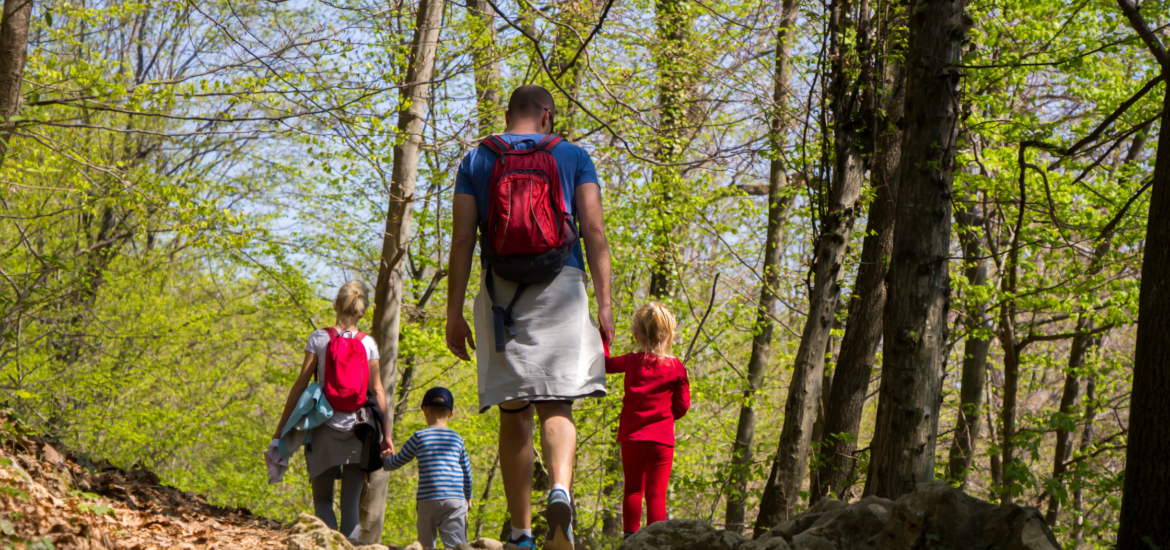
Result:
<point x="657" y="394"/>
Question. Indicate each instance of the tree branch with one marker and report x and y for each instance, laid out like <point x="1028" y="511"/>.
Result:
<point x="1139" y="24"/>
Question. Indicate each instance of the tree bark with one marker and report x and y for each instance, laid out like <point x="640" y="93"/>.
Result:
<point x="863" y="330"/>
<point x="1145" y="502"/>
<point x="975" y="350"/>
<point x="487" y="67"/>
<point x="674" y="73"/>
<point x="815" y="466"/>
<point x="778" y="202"/>
<point x="13" y="54"/>
<point x="782" y="492"/>
<point x="388" y="291"/>
<point x="915" y="318"/>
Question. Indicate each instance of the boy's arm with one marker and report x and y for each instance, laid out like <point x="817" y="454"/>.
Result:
<point x="465" y="462"/>
<point x="403" y="458"/>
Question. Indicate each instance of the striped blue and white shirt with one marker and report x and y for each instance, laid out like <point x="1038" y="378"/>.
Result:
<point x="444" y="470"/>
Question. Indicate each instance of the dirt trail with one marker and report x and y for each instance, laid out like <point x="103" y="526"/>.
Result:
<point x="48" y="500"/>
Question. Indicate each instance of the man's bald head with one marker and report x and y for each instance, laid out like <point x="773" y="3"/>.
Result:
<point x="529" y="102"/>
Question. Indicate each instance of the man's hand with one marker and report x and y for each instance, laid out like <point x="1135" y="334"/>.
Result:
<point x="605" y="323"/>
<point x="459" y="336"/>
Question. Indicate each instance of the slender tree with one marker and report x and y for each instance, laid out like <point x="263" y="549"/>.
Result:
<point x="570" y="37"/>
<point x="1145" y="502"/>
<point x="838" y="212"/>
<point x="388" y="293"/>
<point x="863" y="330"/>
<point x="975" y="349"/>
<point x="1082" y="346"/>
<point x="779" y="199"/>
<point x="13" y="54"/>
<point x="673" y="24"/>
<point x="915" y="318"/>
<point x="487" y="66"/>
<point x="1076" y="533"/>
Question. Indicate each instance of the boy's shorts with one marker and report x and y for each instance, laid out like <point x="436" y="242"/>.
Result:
<point x="444" y="518"/>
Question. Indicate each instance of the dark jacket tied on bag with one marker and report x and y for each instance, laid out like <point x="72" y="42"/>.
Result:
<point x="369" y="431"/>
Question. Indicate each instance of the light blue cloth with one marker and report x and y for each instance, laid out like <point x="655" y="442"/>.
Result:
<point x="312" y="410"/>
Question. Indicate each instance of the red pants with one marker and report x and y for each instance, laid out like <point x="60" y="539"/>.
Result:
<point x="647" y="470"/>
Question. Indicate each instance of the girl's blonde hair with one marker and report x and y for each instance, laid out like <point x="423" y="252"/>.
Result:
<point x="654" y="327"/>
<point x="351" y="302"/>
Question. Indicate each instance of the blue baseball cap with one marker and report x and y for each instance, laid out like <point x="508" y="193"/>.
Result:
<point x="439" y="397"/>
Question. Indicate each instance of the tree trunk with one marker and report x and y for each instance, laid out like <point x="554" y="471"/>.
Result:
<point x="401" y="401"/>
<point x="815" y="467"/>
<point x="673" y="26"/>
<point x="863" y="331"/>
<point x="915" y="318"/>
<point x="1082" y="345"/>
<point x="778" y="202"/>
<point x="975" y="351"/>
<point x="487" y="67"/>
<point x="487" y="493"/>
<point x="1078" y="527"/>
<point x="574" y="19"/>
<point x="839" y="212"/>
<point x="1145" y="502"/>
<point x="995" y="469"/>
<point x="13" y="54"/>
<point x="388" y="292"/>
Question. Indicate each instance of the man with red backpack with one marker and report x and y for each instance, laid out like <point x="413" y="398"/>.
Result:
<point x="533" y="198"/>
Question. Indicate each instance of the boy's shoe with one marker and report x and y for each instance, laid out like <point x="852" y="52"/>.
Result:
<point x="559" y="515"/>
<point x="525" y="542"/>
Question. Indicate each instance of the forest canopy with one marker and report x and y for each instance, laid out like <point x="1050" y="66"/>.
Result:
<point x="186" y="184"/>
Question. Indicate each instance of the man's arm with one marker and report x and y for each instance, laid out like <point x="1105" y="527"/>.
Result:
<point x="465" y="218"/>
<point x="588" y="197"/>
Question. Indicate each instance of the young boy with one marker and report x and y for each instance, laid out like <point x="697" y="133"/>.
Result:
<point x="444" y="473"/>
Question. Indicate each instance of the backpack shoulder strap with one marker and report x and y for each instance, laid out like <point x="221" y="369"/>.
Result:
<point x="549" y="141"/>
<point x="497" y="145"/>
<point x="359" y="336"/>
<point x="332" y="332"/>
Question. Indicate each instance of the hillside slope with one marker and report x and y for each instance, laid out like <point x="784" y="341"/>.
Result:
<point x="53" y="499"/>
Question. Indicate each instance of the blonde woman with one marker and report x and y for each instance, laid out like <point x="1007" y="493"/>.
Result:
<point x="335" y="451"/>
<point x="657" y="394"/>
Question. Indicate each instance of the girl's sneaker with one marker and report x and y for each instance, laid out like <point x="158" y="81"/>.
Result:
<point x="559" y="515"/>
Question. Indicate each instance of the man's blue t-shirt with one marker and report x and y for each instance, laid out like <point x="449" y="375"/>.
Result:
<point x="573" y="163"/>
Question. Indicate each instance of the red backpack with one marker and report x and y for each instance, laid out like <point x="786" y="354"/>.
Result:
<point x="347" y="371"/>
<point x="528" y="235"/>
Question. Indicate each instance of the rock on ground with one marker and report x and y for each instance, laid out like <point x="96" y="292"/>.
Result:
<point x="935" y="515"/>
<point x="481" y="544"/>
<point x="310" y="533"/>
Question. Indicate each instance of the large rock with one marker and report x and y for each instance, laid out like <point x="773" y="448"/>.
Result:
<point x="689" y="534"/>
<point x="310" y="533"/>
<point x="939" y="515"/>
<point x="935" y="515"/>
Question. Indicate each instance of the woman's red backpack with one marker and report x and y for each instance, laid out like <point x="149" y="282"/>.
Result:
<point x="347" y="371"/>
<point x="528" y="235"/>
